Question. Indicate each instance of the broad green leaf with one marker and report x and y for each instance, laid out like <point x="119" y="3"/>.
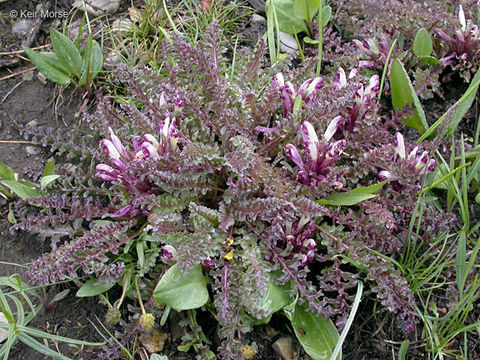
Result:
<point x="287" y="21"/>
<point x="317" y="335"/>
<point x="422" y="45"/>
<point x="327" y="15"/>
<point x="182" y="291"/>
<point x="402" y="352"/>
<point x="47" y="180"/>
<point x="352" y="197"/>
<point x="276" y="297"/>
<point x="6" y="172"/>
<point x="403" y="94"/>
<point x="92" y="62"/>
<point x="49" y="65"/>
<point x="305" y="9"/>
<point x="21" y="190"/>
<point x="460" y="108"/>
<point x="97" y="59"/>
<point x="430" y="60"/>
<point x="49" y="168"/>
<point x="86" y="63"/>
<point x="67" y="52"/>
<point x="93" y="287"/>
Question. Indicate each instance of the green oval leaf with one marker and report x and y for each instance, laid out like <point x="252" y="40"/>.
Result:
<point x="317" y="335"/>
<point x="422" y="45"/>
<point x="182" y="291"/>
<point x="21" y="190"/>
<point x="67" y="52"/>
<point x="327" y="15"/>
<point x="287" y="21"/>
<point x="275" y="299"/>
<point x="306" y="9"/>
<point x="352" y="197"/>
<point x="403" y="94"/>
<point x="49" y="65"/>
<point x="93" y="287"/>
<point x="430" y="60"/>
<point x="6" y="172"/>
<point x="47" y="180"/>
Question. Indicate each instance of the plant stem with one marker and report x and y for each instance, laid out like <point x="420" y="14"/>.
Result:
<point x="139" y="297"/>
<point x="320" y="37"/>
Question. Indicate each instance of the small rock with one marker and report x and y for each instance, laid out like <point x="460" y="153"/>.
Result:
<point x="28" y="76"/>
<point x="21" y="27"/>
<point x="42" y="78"/>
<point x="32" y="123"/>
<point x="123" y="25"/>
<point x="3" y="333"/>
<point x="283" y="347"/>
<point x="98" y="7"/>
<point x="111" y="61"/>
<point x="258" y="5"/>
<point x="288" y="44"/>
<point x="32" y="150"/>
<point x="154" y="341"/>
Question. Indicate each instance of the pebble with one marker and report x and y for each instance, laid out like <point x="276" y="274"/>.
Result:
<point x="98" y="7"/>
<point x="28" y="76"/>
<point x="283" y="347"/>
<point x="32" y="124"/>
<point x="112" y="61"/>
<point x="21" y="27"/>
<point x="258" y="5"/>
<point x="32" y="150"/>
<point x="123" y="25"/>
<point x="154" y="341"/>
<point x="288" y="43"/>
<point x="42" y="78"/>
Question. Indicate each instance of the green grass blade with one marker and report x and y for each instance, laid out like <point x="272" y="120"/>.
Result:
<point x="385" y="69"/>
<point x="343" y="335"/>
<point x="39" y="347"/>
<point x="45" y="335"/>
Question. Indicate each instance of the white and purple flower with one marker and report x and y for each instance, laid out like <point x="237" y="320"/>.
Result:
<point x="418" y="163"/>
<point x="319" y="154"/>
<point x="143" y="148"/>
<point x="288" y="94"/>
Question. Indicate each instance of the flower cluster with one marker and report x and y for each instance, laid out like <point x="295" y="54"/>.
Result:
<point x="365" y="99"/>
<point x="418" y="164"/>
<point x="376" y="52"/>
<point x="288" y="94"/>
<point x="143" y="148"/>
<point x="463" y="45"/>
<point x="319" y="154"/>
<point x="299" y="237"/>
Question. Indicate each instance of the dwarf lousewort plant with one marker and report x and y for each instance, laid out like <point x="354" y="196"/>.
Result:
<point x="227" y="181"/>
